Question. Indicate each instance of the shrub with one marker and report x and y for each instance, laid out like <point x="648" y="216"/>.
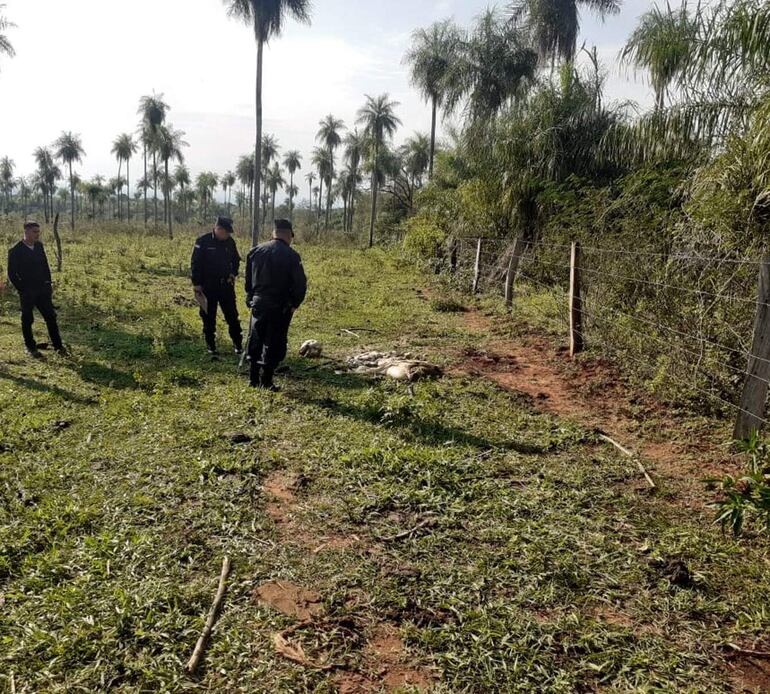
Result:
<point x="746" y="497"/>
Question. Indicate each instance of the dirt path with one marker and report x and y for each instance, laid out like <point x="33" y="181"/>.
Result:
<point x="386" y="665"/>
<point x="678" y="454"/>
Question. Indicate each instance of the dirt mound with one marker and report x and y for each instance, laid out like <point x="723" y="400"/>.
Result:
<point x="290" y="599"/>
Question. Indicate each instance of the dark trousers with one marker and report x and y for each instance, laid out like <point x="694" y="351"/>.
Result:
<point x="269" y="336"/>
<point x="42" y="301"/>
<point x="223" y="297"/>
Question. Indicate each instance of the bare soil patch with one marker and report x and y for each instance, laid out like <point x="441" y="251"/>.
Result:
<point x="751" y="674"/>
<point x="593" y="393"/>
<point x="290" y="599"/>
<point x="281" y="488"/>
<point x="386" y="658"/>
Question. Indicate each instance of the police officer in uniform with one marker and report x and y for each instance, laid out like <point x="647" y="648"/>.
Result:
<point x="214" y="265"/>
<point x="275" y="287"/>
<point x="29" y="272"/>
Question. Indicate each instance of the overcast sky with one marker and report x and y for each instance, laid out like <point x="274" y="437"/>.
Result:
<point x="82" y="65"/>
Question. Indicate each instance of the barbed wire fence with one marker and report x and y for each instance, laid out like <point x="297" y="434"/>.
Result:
<point x="690" y="321"/>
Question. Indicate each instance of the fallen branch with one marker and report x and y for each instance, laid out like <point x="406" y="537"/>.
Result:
<point x="350" y="332"/>
<point x="743" y="651"/>
<point x="200" y="647"/>
<point x="13" y="679"/>
<point x="630" y="454"/>
<point x="408" y="533"/>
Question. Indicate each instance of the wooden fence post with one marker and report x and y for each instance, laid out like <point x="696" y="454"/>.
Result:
<point x="752" y="412"/>
<point x="477" y="268"/>
<point x="575" y="303"/>
<point x="513" y="268"/>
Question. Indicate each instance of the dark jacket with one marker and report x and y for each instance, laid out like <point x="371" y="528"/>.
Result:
<point x="28" y="268"/>
<point x="275" y="276"/>
<point x="213" y="261"/>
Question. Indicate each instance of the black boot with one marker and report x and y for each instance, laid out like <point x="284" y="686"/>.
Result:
<point x="254" y="375"/>
<point x="267" y="380"/>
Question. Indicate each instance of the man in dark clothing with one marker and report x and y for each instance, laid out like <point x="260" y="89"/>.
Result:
<point x="275" y="287"/>
<point x="215" y="262"/>
<point x="30" y="273"/>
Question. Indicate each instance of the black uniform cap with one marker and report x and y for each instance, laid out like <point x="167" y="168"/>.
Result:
<point x="31" y="225"/>
<point x="284" y="225"/>
<point x="226" y="223"/>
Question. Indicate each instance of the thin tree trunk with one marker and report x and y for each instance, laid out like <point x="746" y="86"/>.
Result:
<point x="72" y="196"/>
<point x="432" y="138"/>
<point x="329" y="188"/>
<point x="374" y="192"/>
<point x="320" y="197"/>
<point x="128" y="193"/>
<point x="291" y="196"/>
<point x="155" y="189"/>
<point x="168" y="204"/>
<point x="255" y="227"/>
<point x="145" y="185"/>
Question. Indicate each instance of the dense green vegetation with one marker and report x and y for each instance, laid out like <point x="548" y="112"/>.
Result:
<point x="668" y="204"/>
<point x="121" y="489"/>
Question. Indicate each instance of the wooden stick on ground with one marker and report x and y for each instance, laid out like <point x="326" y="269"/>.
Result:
<point x="743" y="651"/>
<point x="630" y="454"/>
<point x="200" y="647"/>
<point x="407" y="533"/>
<point x="350" y="332"/>
<point x="13" y="679"/>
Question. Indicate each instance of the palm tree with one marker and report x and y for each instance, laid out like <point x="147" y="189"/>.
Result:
<point x="380" y="123"/>
<point x="416" y="153"/>
<point x="317" y="195"/>
<point x="182" y="179"/>
<point x="227" y="182"/>
<point x="270" y="149"/>
<point x="354" y="149"/>
<point x="293" y="162"/>
<point x="206" y="183"/>
<point x="169" y="144"/>
<point x="273" y="182"/>
<point x="7" y="184"/>
<point x="267" y="18"/>
<point x="245" y="170"/>
<point x="69" y="149"/>
<point x="153" y="111"/>
<point x="495" y="67"/>
<point x="329" y="135"/>
<point x="5" y="43"/>
<point x="123" y="148"/>
<point x="554" y="25"/>
<point x="47" y="175"/>
<point x="323" y="165"/>
<point x="292" y="191"/>
<point x="662" y="43"/>
<point x="24" y="192"/>
<point x="310" y="178"/>
<point x="433" y="56"/>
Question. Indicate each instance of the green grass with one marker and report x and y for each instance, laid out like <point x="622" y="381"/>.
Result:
<point x="120" y="491"/>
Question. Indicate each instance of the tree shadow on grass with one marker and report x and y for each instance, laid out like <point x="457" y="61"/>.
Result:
<point x="428" y="431"/>
<point x="32" y="384"/>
